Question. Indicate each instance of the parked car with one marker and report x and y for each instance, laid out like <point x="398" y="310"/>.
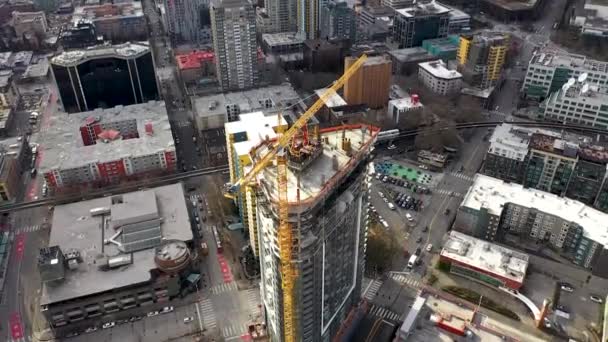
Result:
<point x="108" y="325"/>
<point x="166" y="309"/>
<point x="188" y="319"/>
<point x="90" y="329"/>
<point x="152" y="313"/>
<point x="596" y="299"/>
<point x="567" y="288"/>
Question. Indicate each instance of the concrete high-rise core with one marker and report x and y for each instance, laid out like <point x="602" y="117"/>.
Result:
<point x="327" y="196"/>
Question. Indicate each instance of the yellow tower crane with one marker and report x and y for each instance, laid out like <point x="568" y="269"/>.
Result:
<point x="285" y="236"/>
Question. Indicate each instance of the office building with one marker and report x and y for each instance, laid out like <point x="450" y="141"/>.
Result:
<point x="338" y="21"/>
<point x="548" y="71"/>
<point x="399" y="109"/>
<point x="107" y="146"/>
<point x="426" y="19"/>
<point x="282" y="15"/>
<point x="188" y="21"/>
<point x="459" y="22"/>
<point x="132" y="255"/>
<point x="327" y="225"/>
<point x="374" y="23"/>
<point x="438" y="78"/>
<point x="241" y="136"/>
<point x="481" y="58"/>
<point x="214" y="111"/>
<point x="405" y="61"/>
<point x="444" y="48"/>
<point x="309" y="14"/>
<point x="117" y="23"/>
<point x="592" y="21"/>
<point x="493" y="209"/>
<point x="370" y="85"/>
<point x="514" y="10"/>
<point x="15" y="159"/>
<point x="486" y="262"/>
<point x="105" y="76"/>
<point x="396" y="4"/>
<point x="82" y="34"/>
<point x="234" y="44"/>
<point x="325" y="55"/>
<point x="578" y="103"/>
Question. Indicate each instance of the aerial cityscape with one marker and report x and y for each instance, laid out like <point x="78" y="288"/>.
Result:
<point x="303" y="170"/>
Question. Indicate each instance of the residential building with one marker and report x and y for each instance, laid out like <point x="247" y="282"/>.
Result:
<point x="133" y="255"/>
<point x="241" y="136"/>
<point x="325" y="55"/>
<point x="15" y="159"/>
<point x="116" y="22"/>
<point x="444" y="48"/>
<point x="370" y="85"/>
<point x="338" y="21"/>
<point x="107" y="146"/>
<point x="282" y="15"/>
<point x="195" y="65"/>
<point x="105" y="76"/>
<point x="578" y="103"/>
<point x="9" y="94"/>
<point x="188" y="21"/>
<point x="405" y="61"/>
<point x="486" y="262"/>
<point x="399" y="108"/>
<point x="592" y="21"/>
<point x="506" y="158"/>
<point x="33" y="23"/>
<point x="481" y="58"/>
<point x="309" y="14"/>
<point x="588" y="180"/>
<point x="548" y="71"/>
<point x="436" y="161"/>
<point x="214" y="111"/>
<point x="426" y="19"/>
<point x="493" y="209"/>
<point x="326" y="198"/>
<point x="374" y="23"/>
<point x="396" y="4"/>
<point x="234" y="44"/>
<point x="438" y="78"/>
<point x="82" y="34"/>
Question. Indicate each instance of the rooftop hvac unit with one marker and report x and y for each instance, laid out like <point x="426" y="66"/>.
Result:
<point x="149" y="128"/>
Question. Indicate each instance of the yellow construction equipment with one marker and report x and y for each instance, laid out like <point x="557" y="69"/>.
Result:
<point x="286" y="240"/>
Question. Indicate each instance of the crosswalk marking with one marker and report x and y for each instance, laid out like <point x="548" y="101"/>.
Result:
<point x="372" y="290"/>
<point x="462" y="176"/>
<point x="384" y="313"/>
<point x="208" y="313"/>
<point x="448" y="192"/>
<point x="404" y="280"/>
<point x="233" y="330"/>
<point x="253" y="299"/>
<point x="29" y="229"/>
<point x="224" y="287"/>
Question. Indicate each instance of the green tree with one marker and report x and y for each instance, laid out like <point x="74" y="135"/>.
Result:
<point x="381" y="247"/>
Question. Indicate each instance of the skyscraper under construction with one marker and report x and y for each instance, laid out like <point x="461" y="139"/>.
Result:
<point x="327" y="187"/>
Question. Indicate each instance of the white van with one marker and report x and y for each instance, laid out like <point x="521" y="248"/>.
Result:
<point x="384" y="223"/>
<point x="409" y="217"/>
<point x="391" y="206"/>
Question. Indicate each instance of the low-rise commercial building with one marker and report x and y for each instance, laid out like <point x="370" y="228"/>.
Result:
<point x="107" y="146"/>
<point x="578" y="103"/>
<point x="592" y="21"/>
<point x="15" y="159"/>
<point x="117" y="22"/>
<point x="398" y="109"/>
<point x="133" y="255"/>
<point x="405" y="61"/>
<point x="493" y="209"/>
<point x="215" y="110"/>
<point x="195" y="65"/>
<point x="436" y="161"/>
<point x="548" y="71"/>
<point x="483" y="261"/>
<point x="438" y="78"/>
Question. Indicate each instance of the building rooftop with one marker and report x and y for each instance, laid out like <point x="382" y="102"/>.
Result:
<point x="411" y="54"/>
<point x="5" y="77"/>
<point x="75" y="229"/>
<point x="513" y="141"/>
<point x="40" y="69"/>
<point x="335" y="100"/>
<point x="282" y="38"/>
<point x="515" y="5"/>
<point x="127" y="50"/>
<point x="21" y="58"/>
<point x="194" y="59"/>
<point x="63" y="147"/>
<point x="439" y="69"/>
<point x="5" y="59"/>
<point x="486" y="256"/>
<point x="594" y="18"/>
<point x="108" y="11"/>
<point x="550" y="58"/>
<point x="267" y="99"/>
<point x="424" y="8"/>
<point x="405" y="103"/>
<point x="443" y="44"/>
<point x="256" y="126"/>
<point x="493" y="194"/>
<point x="554" y="145"/>
<point x="326" y="170"/>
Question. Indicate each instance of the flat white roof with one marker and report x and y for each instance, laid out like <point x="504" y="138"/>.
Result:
<point x="256" y="126"/>
<point x="485" y="255"/>
<point x="492" y="194"/>
<point x="421" y="9"/>
<point x="405" y="103"/>
<point x="334" y="100"/>
<point x="513" y="141"/>
<point x="439" y="69"/>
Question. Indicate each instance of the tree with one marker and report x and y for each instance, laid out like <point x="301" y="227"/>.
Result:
<point x="467" y="110"/>
<point x="381" y="247"/>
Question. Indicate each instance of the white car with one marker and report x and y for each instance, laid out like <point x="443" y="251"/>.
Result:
<point x="167" y="309"/>
<point x="596" y="299"/>
<point x="108" y="325"/>
<point x="152" y="313"/>
<point x="429" y="247"/>
<point x="188" y="319"/>
<point x="90" y="329"/>
<point x="567" y="288"/>
<point x="391" y="147"/>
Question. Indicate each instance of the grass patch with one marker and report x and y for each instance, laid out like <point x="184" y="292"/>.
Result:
<point x="486" y="302"/>
<point x="443" y="266"/>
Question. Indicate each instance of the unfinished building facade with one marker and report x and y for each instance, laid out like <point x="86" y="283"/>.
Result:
<point x="327" y="182"/>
